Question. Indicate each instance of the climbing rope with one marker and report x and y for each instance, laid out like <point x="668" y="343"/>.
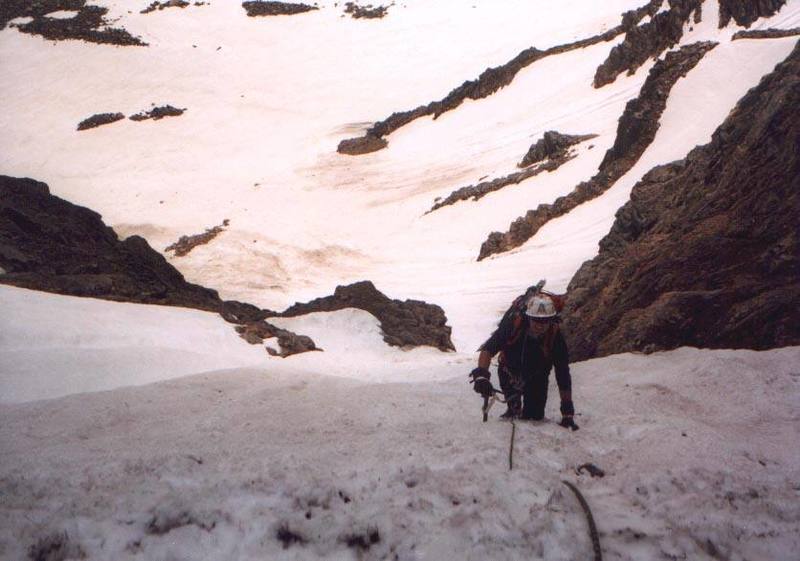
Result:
<point x="598" y="555"/>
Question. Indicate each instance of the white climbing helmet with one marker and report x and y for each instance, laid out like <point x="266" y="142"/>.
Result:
<point x="540" y="306"/>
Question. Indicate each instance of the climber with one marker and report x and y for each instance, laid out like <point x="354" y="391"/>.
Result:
<point x="530" y="344"/>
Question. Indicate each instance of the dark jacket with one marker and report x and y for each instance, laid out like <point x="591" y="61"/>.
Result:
<point x="529" y="356"/>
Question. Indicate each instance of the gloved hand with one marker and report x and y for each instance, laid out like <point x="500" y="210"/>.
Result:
<point x="568" y="415"/>
<point x="480" y="379"/>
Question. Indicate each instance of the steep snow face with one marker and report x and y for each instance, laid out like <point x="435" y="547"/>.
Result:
<point x="52" y="345"/>
<point x="267" y="101"/>
<point x="695" y="445"/>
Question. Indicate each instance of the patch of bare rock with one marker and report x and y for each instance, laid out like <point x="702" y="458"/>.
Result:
<point x="89" y="23"/>
<point x="490" y="81"/>
<point x="367" y="12"/>
<point x="408" y="323"/>
<point x="185" y="244"/>
<point x="765" y="33"/>
<point x="157" y="113"/>
<point x="256" y="8"/>
<point x="166" y="4"/>
<point x="706" y="252"/>
<point x="636" y="130"/>
<point x="99" y="119"/>
<point x="290" y="343"/>
<point x="361" y="145"/>
<point x="49" y="244"/>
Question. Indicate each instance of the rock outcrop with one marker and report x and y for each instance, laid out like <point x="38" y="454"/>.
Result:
<point x="552" y="146"/>
<point x="647" y="40"/>
<point x="157" y="113"/>
<point x="49" y="244"/>
<point x="706" y="251"/>
<point x="163" y="5"/>
<point x="765" y="33"/>
<point x="636" y="130"/>
<point x="490" y="81"/>
<point x="99" y="119"/>
<point x="361" y="145"/>
<point x="369" y="11"/>
<point x="257" y="8"/>
<point x="404" y="323"/>
<point x="552" y="149"/>
<point x="745" y="12"/>
<point x="185" y="244"/>
<point x="89" y="23"/>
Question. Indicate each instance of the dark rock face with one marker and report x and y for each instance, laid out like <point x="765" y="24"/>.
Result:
<point x="89" y="24"/>
<point x="552" y="146"/>
<point x="408" y="323"/>
<point x="745" y="12"/>
<point x="49" y="244"/>
<point x="158" y="113"/>
<point x="648" y="40"/>
<point x="255" y="9"/>
<point x="766" y="33"/>
<point x="361" y="145"/>
<point x="636" y="130"/>
<point x="99" y="119"/>
<point x="706" y="251"/>
<point x="490" y="81"/>
<point x="368" y="11"/>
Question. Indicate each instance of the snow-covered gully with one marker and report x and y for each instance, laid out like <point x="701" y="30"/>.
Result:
<point x="156" y="404"/>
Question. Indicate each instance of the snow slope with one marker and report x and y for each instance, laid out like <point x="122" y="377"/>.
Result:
<point x="696" y="447"/>
<point x="53" y="345"/>
<point x="268" y="100"/>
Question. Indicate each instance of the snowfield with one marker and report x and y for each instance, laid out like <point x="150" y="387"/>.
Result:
<point x="153" y="433"/>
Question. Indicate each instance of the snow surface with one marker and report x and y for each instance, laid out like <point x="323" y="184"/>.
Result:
<point x="699" y="450"/>
<point x="52" y="345"/>
<point x="144" y="432"/>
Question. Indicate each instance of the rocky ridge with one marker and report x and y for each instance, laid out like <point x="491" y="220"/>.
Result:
<point x="648" y="40"/>
<point x="636" y="130"/>
<point x="553" y="148"/>
<point x="404" y="323"/>
<point x="490" y="81"/>
<point x="706" y="251"/>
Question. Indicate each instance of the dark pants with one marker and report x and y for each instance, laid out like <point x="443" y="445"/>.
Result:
<point x="526" y="392"/>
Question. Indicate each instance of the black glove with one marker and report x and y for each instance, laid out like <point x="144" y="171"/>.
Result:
<point x="567" y="415"/>
<point x="481" y="384"/>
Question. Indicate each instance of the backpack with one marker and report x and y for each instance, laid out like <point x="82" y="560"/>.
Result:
<point x="516" y="311"/>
